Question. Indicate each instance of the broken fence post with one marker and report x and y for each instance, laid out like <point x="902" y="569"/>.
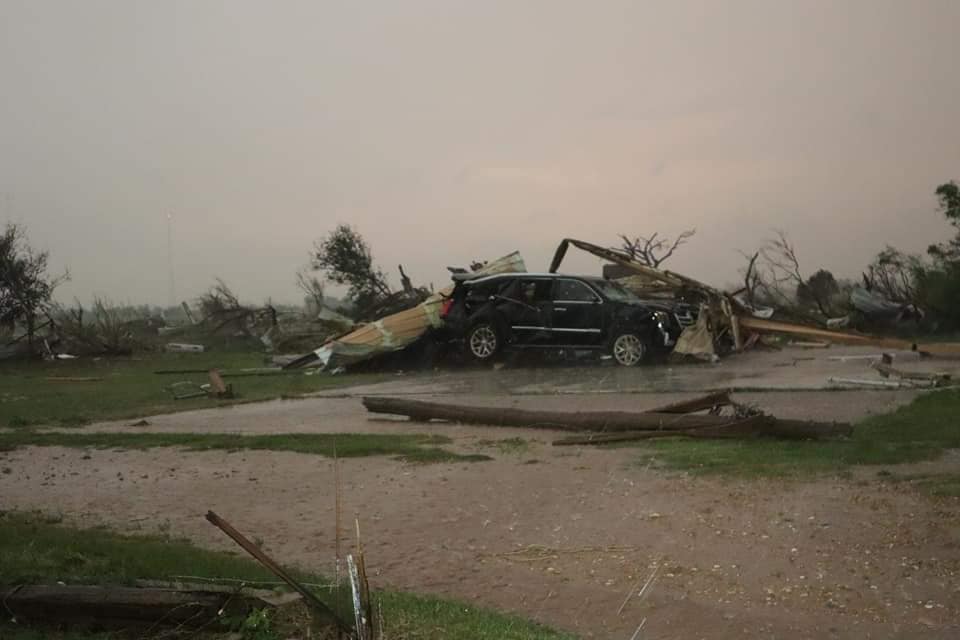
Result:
<point x="312" y="600"/>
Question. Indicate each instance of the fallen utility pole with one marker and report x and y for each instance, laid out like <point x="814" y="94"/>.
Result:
<point x="601" y="421"/>
<point x="943" y="349"/>
<point x="733" y="429"/>
<point x="309" y="597"/>
<point x="553" y="420"/>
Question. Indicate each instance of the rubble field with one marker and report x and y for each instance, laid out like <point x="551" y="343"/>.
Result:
<point x="593" y="540"/>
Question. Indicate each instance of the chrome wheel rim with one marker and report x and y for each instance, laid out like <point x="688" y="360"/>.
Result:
<point x="483" y="342"/>
<point x="628" y="350"/>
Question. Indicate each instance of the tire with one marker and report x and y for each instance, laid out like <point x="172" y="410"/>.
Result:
<point x="483" y="341"/>
<point x="628" y="349"/>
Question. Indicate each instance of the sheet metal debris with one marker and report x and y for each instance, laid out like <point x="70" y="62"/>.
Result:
<point x="181" y="347"/>
<point x="396" y="331"/>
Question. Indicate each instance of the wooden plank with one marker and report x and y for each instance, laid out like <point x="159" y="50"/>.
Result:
<point x="122" y="605"/>
<point x="309" y="597"/>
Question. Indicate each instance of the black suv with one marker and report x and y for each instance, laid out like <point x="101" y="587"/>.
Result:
<point x="552" y="311"/>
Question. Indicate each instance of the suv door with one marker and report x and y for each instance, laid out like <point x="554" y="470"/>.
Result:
<point x="577" y="313"/>
<point x="531" y="311"/>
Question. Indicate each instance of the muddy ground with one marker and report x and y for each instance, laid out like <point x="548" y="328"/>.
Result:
<point x="567" y="537"/>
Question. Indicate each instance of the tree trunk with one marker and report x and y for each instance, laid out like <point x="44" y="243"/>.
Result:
<point x="31" y="329"/>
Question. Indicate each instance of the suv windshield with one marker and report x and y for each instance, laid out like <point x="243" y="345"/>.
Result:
<point x="615" y="292"/>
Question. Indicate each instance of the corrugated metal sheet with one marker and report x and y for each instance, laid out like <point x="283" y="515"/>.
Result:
<point x="399" y="330"/>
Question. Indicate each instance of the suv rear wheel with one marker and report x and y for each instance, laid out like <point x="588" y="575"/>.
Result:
<point x="483" y="341"/>
<point x="628" y="349"/>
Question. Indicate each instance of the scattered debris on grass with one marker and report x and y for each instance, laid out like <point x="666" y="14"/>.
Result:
<point x="883" y="364"/>
<point x="121" y="606"/>
<point x="181" y="347"/>
<point x="886" y="369"/>
<point x="318" y="606"/>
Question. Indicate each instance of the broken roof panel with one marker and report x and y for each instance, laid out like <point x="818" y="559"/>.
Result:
<point x="396" y="331"/>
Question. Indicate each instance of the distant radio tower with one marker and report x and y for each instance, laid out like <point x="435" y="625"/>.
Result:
<point x="173" y="291"/>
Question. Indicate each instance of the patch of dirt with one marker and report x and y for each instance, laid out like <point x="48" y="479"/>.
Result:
<point x="569" y="541"/>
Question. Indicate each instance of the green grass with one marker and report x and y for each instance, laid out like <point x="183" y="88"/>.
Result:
<point x="922" y="430"/>
<point x="407" y="447"/>
<point x="35" y="550"/>
<point x="945" y="485"/>
<point x="130" y="389"/>
<point x="30" y="633"/>
<point x="515" y="446"/>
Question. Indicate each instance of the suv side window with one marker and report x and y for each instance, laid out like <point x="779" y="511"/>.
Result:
<point x="572" y="291"/>
<point x="530" y="291"/>
<point x="482" y="292"/>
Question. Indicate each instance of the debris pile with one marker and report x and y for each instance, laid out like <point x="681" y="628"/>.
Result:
<point x="714" y="323"/>
<point x="892" y="377"/>
<point x="394" y="332"/>
<point x="192" y="605"/>
<point x="724" y="418"/>
<point x="726" y="322"/>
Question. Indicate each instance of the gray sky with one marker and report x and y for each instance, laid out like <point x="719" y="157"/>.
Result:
<point x="447" y="131"/>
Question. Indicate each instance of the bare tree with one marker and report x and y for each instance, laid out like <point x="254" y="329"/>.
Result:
<point x="894" y="275"/>
<point x="781" y="257"/>
<point x="104" y="328"/>
<point x="222" y="308"/>
<point x="751" y="277"/>
<point x="774" y="274"/>
<point x="312" y="287"/>
<point x="654" y="250"/>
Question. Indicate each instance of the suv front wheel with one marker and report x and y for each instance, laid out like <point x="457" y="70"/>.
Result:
<point x="628" y="349"/>
<point x="483" y="341"/>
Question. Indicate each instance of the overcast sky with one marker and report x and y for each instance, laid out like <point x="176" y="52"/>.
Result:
<point x="447" y="131"/>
